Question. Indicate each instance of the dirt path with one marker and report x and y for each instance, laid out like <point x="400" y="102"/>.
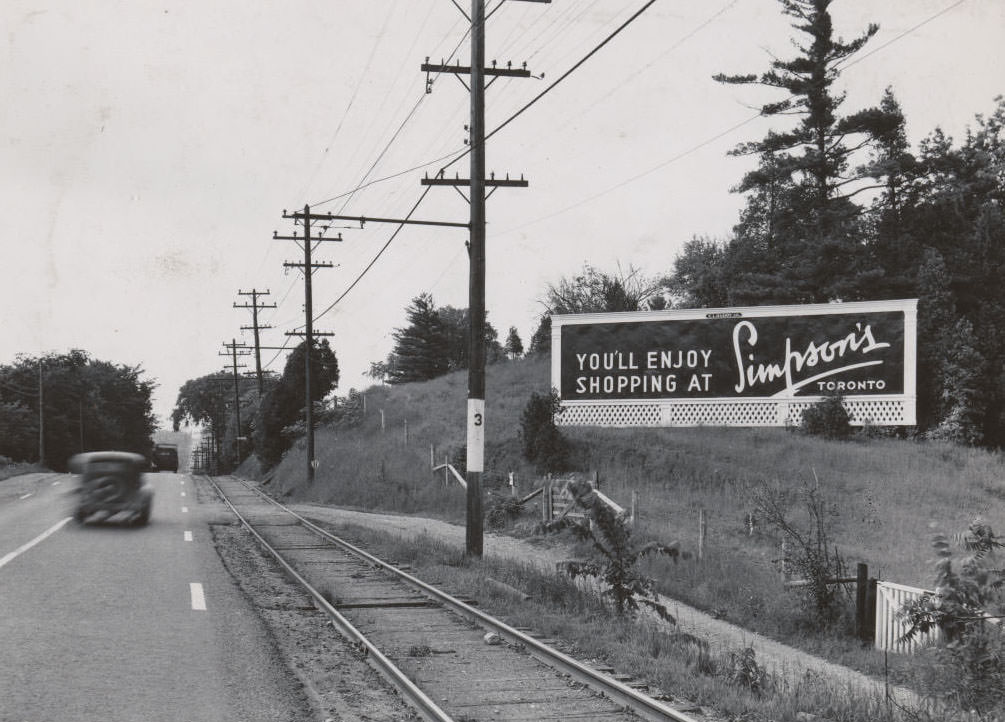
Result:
<point x="786" y="663"/>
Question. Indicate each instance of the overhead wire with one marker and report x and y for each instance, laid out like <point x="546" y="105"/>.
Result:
<point x="515" y="115"/>
<point x="907" y="32"/>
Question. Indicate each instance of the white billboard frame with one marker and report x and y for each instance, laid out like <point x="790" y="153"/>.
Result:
<point x="895" y="409"/>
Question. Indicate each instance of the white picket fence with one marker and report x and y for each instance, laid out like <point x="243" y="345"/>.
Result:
<point x="890" y="628"/>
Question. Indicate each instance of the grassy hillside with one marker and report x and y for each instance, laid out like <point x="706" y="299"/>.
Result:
<point x="885" y="497"/>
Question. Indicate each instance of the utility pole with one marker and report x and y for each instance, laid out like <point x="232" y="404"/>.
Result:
<point x="234" y="346"/>
<point x="41" y="418"/>
<point x="476" y="247"/>
<point x="474" y="532"/>
<point x="307" y="267"/>
<point x="255" y="306"/>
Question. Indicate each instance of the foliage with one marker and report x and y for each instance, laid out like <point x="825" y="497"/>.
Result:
<point x="542" y="442"/>
<point x="501" y="510"/>
<point x="421" y="349"/>
<point x="742" y="669"/>
<point x="696" y="281"/>
<point x="540" y="342"/>
<point x="380" y="370"/>
<point x="457" y="326"/>
<point x="967" y="607"/>
<point x="283" y="405"/>
<point x="18" y="430"/>
<point x="88" y="405"/>
<point x="618" y="555"/>
<point x="827" y="418"/>
<point x="343" y="413"/>
<point x="201" y="401"/>
<point x="594" y="291"/>
<point x="514" y="346"/>
<point x="809" y="553"/>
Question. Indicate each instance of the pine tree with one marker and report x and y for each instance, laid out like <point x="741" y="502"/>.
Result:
<point x="802" y="219"/>
<point x="421" y="349"/>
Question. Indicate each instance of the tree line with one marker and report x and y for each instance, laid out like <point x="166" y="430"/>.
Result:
<point x="85" y="405"/>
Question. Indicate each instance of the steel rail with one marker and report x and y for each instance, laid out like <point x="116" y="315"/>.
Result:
<point x="640" y="703"/>
<point x="424" y="705"/>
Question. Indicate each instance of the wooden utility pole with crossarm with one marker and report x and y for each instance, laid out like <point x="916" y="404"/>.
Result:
<point x="307" y="267"/>
<point x="255" y="307"/>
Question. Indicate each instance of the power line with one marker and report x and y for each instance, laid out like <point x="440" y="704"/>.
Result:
<point x="643" y="174"/>
<point x="907" y="32"/>
<point x="506" y="122"/>
<point x="379" y="254"/>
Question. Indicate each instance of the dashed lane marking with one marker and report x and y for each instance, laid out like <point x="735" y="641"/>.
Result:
<point x="40" y="538"/>
<point x="56" y="483"/>
<point x="183" y="493"/>
<point x="25" y="496"/>
<point x="184" y="510"/>
<point x="188" y="536"/>
<point x="198" y="598"/>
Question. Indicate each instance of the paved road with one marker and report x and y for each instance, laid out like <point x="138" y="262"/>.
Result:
<point x="105" y="623"/>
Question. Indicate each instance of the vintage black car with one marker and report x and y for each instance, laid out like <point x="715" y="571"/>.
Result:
<point x="164" y="458"/>
<point x="111" y="488"/>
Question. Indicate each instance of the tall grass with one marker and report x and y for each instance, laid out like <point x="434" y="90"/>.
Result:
<point x="886" y="497"/>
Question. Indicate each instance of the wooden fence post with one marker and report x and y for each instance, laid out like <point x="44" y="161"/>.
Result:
<point x="702" y="531"/>
<point x="432" y="456"/>
<point x="382" y="421"/>
<point x="786" y="573"/>
<point x="861" y="600"/>
<point x="634" y="514"/>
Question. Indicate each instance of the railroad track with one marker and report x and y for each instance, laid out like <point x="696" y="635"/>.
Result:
<point x="450" y="661"/>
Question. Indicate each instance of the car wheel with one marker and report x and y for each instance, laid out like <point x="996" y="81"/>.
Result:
<point x="144" y="517"/>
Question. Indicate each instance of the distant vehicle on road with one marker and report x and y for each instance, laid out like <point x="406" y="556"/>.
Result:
<point x="112" y="488"/>
<point x="165" y="457"/>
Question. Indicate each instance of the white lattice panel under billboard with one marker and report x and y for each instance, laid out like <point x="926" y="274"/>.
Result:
<point x="756" y="366"/>
<point x="724" y="413"/>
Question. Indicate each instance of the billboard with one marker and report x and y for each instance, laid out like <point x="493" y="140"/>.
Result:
<point x="754" y="366"/>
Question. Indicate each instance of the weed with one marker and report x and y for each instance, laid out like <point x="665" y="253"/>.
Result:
<point x="618" y="568"/>
<point x="967" y="607"/>
<point x="812" y="556"/>
<point x="742" y="669"/>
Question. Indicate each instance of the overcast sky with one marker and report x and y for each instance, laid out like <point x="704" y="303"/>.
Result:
<point x="149" y="149"/>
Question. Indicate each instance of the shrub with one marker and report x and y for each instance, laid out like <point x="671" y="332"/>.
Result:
<point x="968" y="606"/>
<point x="811" y="555"/>
<point x="828" y="418"/>
<point x="543" y="444"/>
<point x="501" y="509"/>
